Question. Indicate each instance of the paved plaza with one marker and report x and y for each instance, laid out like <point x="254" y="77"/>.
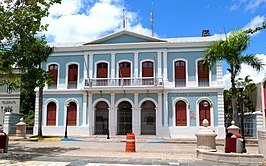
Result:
<point x="100" y="151"/>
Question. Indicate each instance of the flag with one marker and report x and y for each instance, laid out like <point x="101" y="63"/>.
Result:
<point x="151" y="17"/>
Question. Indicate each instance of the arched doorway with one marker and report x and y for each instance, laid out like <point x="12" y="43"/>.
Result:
<point x="72" y="114"/>
<point x="101" y="118"/>
<point x="148" y="118"/>
<point x="51" y="114"/>
<point x="124" y="118"/>
<point x="181" y="113"/>
<point x="204" y="111"/>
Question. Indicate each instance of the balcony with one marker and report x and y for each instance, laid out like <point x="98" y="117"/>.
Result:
<point x="180" y="83"/>
<point x="124" y="82"/>
<point x="203" y="83"/>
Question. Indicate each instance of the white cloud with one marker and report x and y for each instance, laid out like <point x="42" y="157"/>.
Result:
<point x="84" y="21"/>
<point x="256" y="76"/>
<point x="255" y="22"/>
<point x="254" y="4"/>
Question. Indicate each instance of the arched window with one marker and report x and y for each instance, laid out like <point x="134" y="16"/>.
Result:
<point x="204" y="111"/>
<point x="72" y="114"/>
<point x="180" y="73"/>
<point x="53" y="69"/>
<point x="72" y="76"/>
<point x="203" y="75"/>
<point x="102" y="72"/>
<point x="51" y="114"/>
<point x="181" y="113"/>
<point x="125" y="72"/>
<point x="147" y="71"/>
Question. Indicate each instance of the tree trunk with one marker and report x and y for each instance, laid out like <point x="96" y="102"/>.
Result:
<point x="40" y="112"/>
<point x="234" y="101"/>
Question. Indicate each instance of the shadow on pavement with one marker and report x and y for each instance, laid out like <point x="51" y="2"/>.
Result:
<point x="20" y="153"/>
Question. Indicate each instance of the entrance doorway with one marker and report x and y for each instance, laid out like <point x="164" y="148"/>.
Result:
<point x="148" y="118"/>
<point x="124" y="118"/>
<point x="101" y="118"/>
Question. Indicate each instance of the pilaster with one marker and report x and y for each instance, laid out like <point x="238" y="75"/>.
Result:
<point x="112" y="65"/>
<point x="166" y="109"/>
<point x="136" y="64"/>
<point x="165" y="65"/>
<point x="91" y="115"/>
<point x="159" y="54"/>
<point x="90" y="65"/>
<point x="84" y="114"/>
<point x="136" y="115"/>
<point x="112" y="117"/>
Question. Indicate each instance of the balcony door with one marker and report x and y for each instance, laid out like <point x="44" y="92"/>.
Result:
<point x="180" y="74"/>
<point x="203" y="75"/>
<point x="147" y="71"/>
<point x="124" y="73"/>
<point x="102" y="72"/>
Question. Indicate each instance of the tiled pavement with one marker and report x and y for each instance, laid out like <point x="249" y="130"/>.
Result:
<point x="97" y="152"/>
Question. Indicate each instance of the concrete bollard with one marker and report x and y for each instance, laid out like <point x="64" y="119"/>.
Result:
<point x="262" y="143"/>
<point x="233" y="128"/>
<point x="21" y="130"/>
<point x="206" y="138"/>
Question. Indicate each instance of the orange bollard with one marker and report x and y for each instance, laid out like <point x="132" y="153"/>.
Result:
<point x="130" y="143"/>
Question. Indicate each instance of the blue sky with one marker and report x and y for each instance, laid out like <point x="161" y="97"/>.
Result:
<point x="87" y="20"/>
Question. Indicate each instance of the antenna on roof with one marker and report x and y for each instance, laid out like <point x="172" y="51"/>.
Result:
<point x="124" y="19"/>
<point x="151" y="20"/>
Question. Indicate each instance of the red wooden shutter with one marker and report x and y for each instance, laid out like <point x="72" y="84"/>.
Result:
<point x="51" y="114"/>
<point x="202" y="74"/>
<point x="102" y="70"/>
<point x="147" y="69"/>
<point x="204" y="115"/>
<point x="124" y="70"/>
<point x="180" y="70"/>
<point x="181" y="113"/>
<point x="72" y="114"/>
<point x="73" y="73"/>
<point x="53" y="69"/>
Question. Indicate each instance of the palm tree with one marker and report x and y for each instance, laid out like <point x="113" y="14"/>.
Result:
<point x="231" y="50"/>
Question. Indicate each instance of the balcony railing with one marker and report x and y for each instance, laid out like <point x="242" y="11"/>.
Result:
<point x="180" y="83"/>
<point x="203" y="83"/>
<point x="118" y="82"/>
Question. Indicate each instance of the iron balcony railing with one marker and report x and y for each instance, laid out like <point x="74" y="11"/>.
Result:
<point x="116" y="82"/>
<point x="203" y="83"/>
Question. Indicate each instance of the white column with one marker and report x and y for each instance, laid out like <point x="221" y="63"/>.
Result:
<point x="220" y="109"/>
<point x="112" y="65"/>
<point x="91" y="115"/>
<point x="159" y="111"/>
<point x="165" y="109"/>
<point x="159" y="65"/>
<point x="85" y="65"/>
<point x="136" y="115"/>
<point x="90" y="65"/>
<point x="36" y="115"/>
<point x="165" y="65"/>
<point x="112" y="117"/>
<point x="84" y="115"/>
<point x="136" y="64"/>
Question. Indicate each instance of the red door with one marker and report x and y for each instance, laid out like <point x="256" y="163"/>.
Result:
<point x="204" y="112"/>
<point x="180" y="73"/>
<point x="72" y="114"/>
<point x="181" y="113"/>
<point x="125" y="72"/>
<point x="147" y="69"/>
<point x="53" y="69"/>
<point x="51" y="114"/>
<point x="102" y="70"/>
<point x="203" y="75"/>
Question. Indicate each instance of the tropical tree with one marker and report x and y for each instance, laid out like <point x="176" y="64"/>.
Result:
<point x="231" y="50"/>
<point x="21" y="44"/>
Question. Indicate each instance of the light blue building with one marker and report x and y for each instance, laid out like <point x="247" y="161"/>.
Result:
<point x="128" y="82"/>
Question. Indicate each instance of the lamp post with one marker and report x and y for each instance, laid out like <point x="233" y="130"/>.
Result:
<point x="67" y="105"/>
<point x="242" y="119"/>
<point x="205" y="105"/>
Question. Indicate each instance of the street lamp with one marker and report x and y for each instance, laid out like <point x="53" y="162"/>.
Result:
<point x="205" y="105"/>
<point x="242" y="119"/>
<point x="67" y="105"/>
